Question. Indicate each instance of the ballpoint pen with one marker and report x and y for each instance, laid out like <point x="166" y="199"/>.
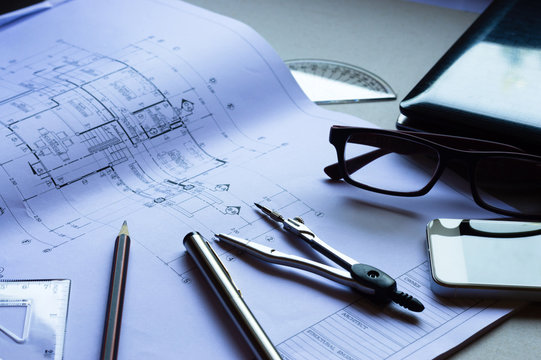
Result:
<point x="230" y="296"/>
<point x="362" y="277"/>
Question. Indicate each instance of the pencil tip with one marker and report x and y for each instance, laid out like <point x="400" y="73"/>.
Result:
<point x="124" y="229"/>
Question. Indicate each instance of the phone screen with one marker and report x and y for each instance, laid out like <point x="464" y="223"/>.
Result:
<point x="485" y="252"/>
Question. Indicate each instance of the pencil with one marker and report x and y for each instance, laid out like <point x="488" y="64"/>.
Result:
<point x="113" y="318"/>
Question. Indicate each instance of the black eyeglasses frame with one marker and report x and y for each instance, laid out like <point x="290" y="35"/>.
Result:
<point x="467" y="151"/>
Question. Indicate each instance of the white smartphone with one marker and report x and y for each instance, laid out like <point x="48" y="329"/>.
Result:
<point x="485" y="258"/>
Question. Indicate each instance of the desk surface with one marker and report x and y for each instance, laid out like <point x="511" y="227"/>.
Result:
<point x="399" y="41"/>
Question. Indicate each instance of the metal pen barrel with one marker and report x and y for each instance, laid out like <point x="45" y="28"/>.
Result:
<point x="218" y="277"/>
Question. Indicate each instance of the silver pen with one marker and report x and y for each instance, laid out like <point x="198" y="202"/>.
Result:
<point x="230" y="296"/>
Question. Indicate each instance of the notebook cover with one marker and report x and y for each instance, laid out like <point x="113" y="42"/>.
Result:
<point x="488" y="84"/>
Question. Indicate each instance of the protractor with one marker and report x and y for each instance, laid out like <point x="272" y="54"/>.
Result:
<point x="333" y="82"/>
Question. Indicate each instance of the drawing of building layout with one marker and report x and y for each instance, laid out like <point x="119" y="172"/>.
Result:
<point x="83" y="124"/>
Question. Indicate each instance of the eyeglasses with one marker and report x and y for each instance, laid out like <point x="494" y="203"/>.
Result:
<point x="503" y="178"/>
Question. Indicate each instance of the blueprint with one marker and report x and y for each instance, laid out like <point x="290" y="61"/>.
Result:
<point x="176" y="120"/>
<point x="75" y="121"/>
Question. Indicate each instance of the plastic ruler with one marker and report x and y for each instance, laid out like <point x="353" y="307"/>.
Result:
<point x="33" y="315"/>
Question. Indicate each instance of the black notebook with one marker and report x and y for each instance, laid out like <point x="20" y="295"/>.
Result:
<point x="488" y="85"/>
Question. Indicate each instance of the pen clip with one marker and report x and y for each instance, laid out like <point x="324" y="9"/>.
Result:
<point x="223" y="267"/>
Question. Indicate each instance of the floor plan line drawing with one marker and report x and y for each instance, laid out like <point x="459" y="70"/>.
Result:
<point x="86" y="120"/>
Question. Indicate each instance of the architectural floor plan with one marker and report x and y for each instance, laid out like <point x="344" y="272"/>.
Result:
<point x="133" y="126"/>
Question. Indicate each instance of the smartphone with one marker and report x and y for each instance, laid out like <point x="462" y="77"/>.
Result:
<point x="485" y="258"/>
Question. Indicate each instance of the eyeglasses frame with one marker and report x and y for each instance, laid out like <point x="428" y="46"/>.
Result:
<point x="446" y="146"/>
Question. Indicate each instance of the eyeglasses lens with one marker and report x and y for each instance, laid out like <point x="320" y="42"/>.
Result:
<point x="380" y="161"/>
<point x="510" y="184"/>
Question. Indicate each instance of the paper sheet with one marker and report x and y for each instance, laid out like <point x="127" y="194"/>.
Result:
<point x="176" y="119"/>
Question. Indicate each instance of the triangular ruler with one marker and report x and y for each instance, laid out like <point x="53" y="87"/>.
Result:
<point x="10" y="329"/>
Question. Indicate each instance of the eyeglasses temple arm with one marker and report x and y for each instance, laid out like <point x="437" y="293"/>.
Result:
<point x="354" y="164"/>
